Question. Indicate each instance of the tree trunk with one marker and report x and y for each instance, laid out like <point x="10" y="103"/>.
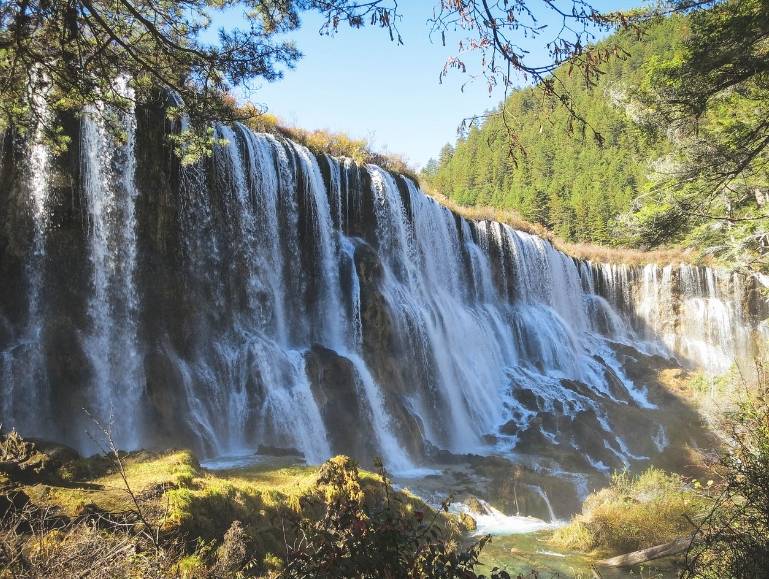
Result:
<point x="644" y="555"/>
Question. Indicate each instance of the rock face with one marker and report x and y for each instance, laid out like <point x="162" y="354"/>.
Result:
<point x="27" y="461"/>
<point x="334" y="384"/>
<point x="270" y="297"/>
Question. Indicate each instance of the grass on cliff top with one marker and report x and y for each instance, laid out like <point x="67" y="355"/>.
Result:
<point x="336" y="144"/>
<point x="634" y="512"/>
<point x="585" y="251"/>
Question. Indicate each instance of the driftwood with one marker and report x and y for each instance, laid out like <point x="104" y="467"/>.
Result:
<point x="644" y="555"/>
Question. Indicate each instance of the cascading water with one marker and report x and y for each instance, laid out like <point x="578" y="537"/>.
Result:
<point x="271" y="298"/>
<point x="696" y="313"/>
<point x="22" y="364"/>
<point x="108" y="183"/>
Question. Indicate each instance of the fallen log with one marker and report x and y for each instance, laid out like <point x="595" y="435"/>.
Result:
<point x="644" y="555"/>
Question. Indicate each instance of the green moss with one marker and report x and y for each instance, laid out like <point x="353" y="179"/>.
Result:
<point x="190" y="566"/>
<point x="201" y="505"/>
<point x="95" y="481"/>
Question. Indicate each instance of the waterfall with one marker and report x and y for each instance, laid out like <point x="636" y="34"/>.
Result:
<point x="24" y="396"/>
<point x="550" y="512"/>
<point x="695" y="313"/>
<point x="269" y="297"/>
<point x="108" y="183"/>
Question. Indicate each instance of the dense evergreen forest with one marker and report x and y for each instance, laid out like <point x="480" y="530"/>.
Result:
<point x="563" y="179"/>
<point x="602" y="190"/>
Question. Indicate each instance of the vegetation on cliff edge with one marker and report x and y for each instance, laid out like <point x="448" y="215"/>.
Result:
<point x="683" y="157"/>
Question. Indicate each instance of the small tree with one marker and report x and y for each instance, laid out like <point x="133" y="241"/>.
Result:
<point x="733" y="539"/>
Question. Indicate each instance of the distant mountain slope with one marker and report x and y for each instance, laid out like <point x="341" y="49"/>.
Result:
<point x="566" y="181"/>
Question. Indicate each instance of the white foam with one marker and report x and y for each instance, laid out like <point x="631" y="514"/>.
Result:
<point x="495" y="522"/>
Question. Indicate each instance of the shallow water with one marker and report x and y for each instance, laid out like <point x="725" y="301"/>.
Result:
<point x="519" y="543"/>
<point x="524" y="553"/>
<point x="248" y="459"/>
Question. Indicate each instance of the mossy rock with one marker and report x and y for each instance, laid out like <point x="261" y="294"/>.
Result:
<point x="476" y="506"/>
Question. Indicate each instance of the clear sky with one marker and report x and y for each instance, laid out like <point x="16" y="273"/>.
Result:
<point x="360" y="83"/>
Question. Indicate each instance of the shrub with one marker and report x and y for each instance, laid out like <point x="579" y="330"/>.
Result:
<point x="733" y="538"/>
<point x="352" y="539"/>
<point x="39" y="542"/>
<point x="13" y="448"/>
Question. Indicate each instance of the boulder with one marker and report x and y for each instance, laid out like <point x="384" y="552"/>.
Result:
<point x="476" y="506"/>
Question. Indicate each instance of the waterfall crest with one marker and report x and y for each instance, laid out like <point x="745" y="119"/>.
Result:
<point x="274" y="298"/>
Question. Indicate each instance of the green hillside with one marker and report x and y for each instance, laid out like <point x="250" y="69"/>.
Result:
<point x="565" y="180"/>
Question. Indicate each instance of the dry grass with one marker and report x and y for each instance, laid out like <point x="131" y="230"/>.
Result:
<point x="584" y="251"/>
<point x="603" y="254"/>
<point x="36" y="543"/>
<point x="332" y="143"/>
<point x="486" y="213"/>
<point x="634" y="512"/>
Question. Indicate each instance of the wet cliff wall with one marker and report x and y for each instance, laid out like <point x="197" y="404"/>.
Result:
<point x="267" y="296"/>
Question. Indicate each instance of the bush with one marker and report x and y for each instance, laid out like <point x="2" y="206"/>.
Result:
<point x="40" y="542"/>
<point x="634" y="512"/>
<point x="353" y="539"/>
<point x="733" y="539"/>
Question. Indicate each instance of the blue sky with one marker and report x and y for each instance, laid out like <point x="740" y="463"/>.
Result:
<point x="360" y="83"/>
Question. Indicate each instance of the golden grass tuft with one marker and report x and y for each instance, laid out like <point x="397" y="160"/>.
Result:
<point x="634" y="512"/>
<point x="626" y="255"/>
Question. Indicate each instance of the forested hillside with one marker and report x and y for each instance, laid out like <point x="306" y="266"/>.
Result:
<point x="564" y="179"/>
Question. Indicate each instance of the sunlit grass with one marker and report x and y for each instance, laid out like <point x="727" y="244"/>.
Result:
<point x="182" y="497"/>
<point x="107" y="491"/>
<point x="634" y="512"/>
